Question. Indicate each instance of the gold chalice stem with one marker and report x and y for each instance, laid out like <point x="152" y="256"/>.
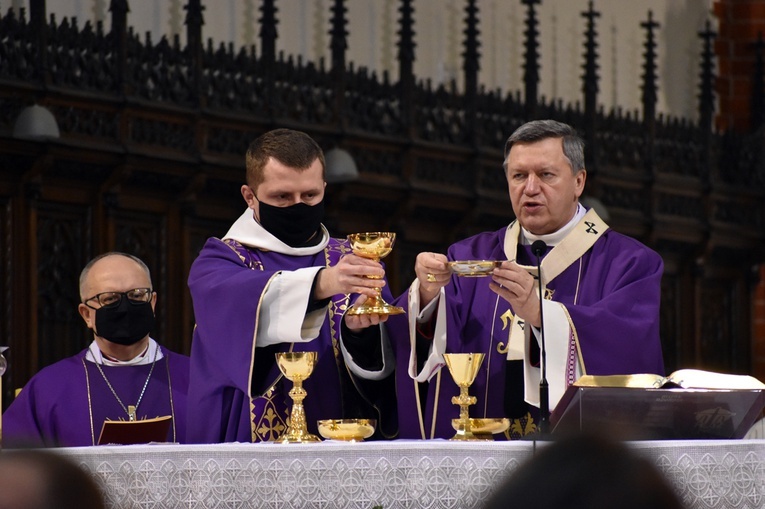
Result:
<point x="376" y="304"/>
<point x="464" y="400"/>
<point x="377" y="301"/>
<point x="298" y="429"/>
<point x="298" y="394"/>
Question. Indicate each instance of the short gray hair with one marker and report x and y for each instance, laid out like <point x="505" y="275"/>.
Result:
<point x="86" y="270"/>
<point x="538" y="130"/>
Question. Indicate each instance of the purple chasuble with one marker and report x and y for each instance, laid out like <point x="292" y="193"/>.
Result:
<point x="612" y="294"/>
<point x="66" y="403"/>
<point x="236" y="391"/>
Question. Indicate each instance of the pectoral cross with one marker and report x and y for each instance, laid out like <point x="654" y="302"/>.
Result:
<point x="131" y="413"/>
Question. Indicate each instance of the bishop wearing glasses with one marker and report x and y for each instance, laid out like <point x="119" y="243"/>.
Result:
<point x="124" y="374"/>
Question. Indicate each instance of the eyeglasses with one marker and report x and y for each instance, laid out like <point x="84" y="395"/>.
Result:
<point x="113" y="299"/>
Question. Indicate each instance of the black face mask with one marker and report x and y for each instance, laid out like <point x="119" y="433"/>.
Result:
<point x="126" y="323"/>
<point x="295" y="225"/>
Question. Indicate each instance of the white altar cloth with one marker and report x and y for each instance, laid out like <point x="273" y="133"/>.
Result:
<point x="397" y="474"/>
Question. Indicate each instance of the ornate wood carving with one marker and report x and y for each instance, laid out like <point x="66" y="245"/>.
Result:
<point x="151" y="159"/>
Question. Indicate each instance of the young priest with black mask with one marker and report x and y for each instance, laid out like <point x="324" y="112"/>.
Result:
<point x="277" y="282"/>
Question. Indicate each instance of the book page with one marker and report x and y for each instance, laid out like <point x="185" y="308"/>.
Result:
<point x="700" y="379"/>
<point x="685" y="378"/>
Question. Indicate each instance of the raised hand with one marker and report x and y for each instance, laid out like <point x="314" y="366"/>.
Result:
<point x="358" y="322"/>
<point x="350" y="275"/>
<point x="516" y="286"/>
<point x="433" y="274"/>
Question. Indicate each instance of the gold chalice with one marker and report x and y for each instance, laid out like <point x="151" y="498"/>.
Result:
<point x="297" y="366"/>
<point x="374" y="246"/>
<point x="463" y="368"/>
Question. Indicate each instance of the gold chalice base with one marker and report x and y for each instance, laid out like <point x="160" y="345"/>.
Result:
<point x="378" y="308"/>
<point x="348" y="430"/>
<point x="483" y="429"/>
<point x="473" y="268"/>
<point x="299" y="437"/>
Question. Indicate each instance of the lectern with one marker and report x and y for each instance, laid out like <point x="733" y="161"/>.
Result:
<point x="653" y="414"/>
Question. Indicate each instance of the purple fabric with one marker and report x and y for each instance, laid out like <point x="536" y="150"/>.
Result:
<point x="616" y="318"/>
<point x="226" y="287"/>
<point x="53" y="408"/>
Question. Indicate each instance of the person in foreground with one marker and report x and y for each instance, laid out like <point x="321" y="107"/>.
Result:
<point x="586" y="472"/>
<point x="601" y="305"/>
<point x="46" y="480"/>
<point x="123" y="375"/>
<point x="277" y="282"/>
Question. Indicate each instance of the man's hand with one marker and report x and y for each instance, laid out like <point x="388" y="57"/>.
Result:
<point x="516" y="286"/>
<point x="357" y="322"/>
<point x="352" y="274"/>
<point x="433" y="274"/>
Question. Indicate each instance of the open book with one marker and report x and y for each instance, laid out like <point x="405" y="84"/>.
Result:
<point x="684" y="378"/>
<point x="141" y="431"/>
<point x="689" y="403"/>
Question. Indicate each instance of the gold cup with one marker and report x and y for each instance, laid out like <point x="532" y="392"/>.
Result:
<point x="463" y="368"/>
<point x="374" y="246"/>
<point x="297" y="366"/>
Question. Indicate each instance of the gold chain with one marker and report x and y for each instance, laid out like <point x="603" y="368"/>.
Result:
<point x="131" y="410"/>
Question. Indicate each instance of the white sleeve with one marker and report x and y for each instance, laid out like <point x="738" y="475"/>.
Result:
<point x="282" y="311"/>
<point x="435" y="360"/>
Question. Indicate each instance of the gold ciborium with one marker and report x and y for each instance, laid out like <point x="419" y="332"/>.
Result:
<point x="374" y="246"/>
<point x="463" y="368"/>
<point x="348" y="430"/>
<point x="297" y="366"/>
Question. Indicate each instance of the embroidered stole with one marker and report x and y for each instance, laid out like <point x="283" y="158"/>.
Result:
<point x="581" y="238"/>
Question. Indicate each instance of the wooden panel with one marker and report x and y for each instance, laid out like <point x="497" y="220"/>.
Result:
<point x="151" y="159"/>
<point x="63" y="249"/>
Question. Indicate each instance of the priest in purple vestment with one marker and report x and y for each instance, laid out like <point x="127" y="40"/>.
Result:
<point x="124" y="375"/>
<point x="277" y="282"/>
<point x="601" y="299"/>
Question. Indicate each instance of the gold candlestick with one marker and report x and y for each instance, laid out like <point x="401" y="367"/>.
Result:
<point x="464" y="368"/>
<point x="374" y="246"/>
<point x="297" y="366"/>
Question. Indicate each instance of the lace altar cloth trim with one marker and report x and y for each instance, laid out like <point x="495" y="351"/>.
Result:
<point x="398" y="474"/>
<point x="726" y="474"/>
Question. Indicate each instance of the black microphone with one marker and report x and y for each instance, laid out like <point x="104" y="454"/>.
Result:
<point x="538" y="248"/>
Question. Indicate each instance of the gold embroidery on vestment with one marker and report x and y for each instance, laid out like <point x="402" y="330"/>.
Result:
<point x="521" y="427"/>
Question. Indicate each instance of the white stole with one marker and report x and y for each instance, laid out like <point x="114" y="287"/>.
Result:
<point x="558" y="325"/>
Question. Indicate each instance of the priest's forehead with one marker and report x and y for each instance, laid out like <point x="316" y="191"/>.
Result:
<point x="291" y="148"/>
<point x="109" y="271"/>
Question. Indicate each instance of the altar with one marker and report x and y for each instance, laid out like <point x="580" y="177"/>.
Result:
<point x="396" y="474"/>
